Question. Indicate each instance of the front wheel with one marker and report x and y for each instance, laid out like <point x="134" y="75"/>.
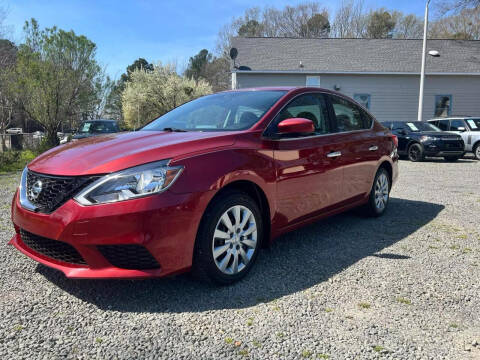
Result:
<point x="476" y="151"/>
<point x="415" y="153"/>
<point x="229" y="239"/>
<point x="380" y="193"/>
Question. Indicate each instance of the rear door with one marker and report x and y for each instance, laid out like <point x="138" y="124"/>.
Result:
<point x="309" y="174"/>
<point x="459" y="126"/>
<point x="360" y="147"/>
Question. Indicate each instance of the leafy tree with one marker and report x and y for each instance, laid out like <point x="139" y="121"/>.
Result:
<point x="380" y="24"/>
<point x="7" y="97"/>
<point x="56" y="77"/>
<point x="197" y="65"/>
<point x="113" y="102"/>
<point x="150" y="94"/>
<point x="317" y="26"/>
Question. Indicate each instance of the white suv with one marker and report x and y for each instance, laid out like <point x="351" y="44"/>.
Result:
<point x="468" y="127"/>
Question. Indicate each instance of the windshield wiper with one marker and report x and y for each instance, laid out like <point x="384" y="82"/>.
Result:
<point x="171" y="129"/>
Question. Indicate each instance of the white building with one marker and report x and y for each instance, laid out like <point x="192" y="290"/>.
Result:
<point x="382" y="74"/>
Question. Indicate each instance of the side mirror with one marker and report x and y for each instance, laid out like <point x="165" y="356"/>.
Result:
<point x="402" y="132"/>
<point x="461" y="129"/>
<point x="296" y="126"/>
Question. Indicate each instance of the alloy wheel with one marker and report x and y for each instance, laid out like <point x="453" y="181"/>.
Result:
<point x="414" y="153"/>
<point x="477" y="152"/>
<point x="381" y="192"/>
<point x="234" y="240"/>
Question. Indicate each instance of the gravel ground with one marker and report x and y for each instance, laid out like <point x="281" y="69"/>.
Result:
<point x="405" y="286"/>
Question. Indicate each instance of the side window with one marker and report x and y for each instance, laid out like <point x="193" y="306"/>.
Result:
<point x="348" y="115"/>
<point x="456" y="124"/>
<point x="307" y="106"/>
<point x="442" y="124"/>
<point x="443" y="105"/>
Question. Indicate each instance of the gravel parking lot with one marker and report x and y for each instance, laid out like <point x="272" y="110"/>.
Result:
<point x="405" y="286"/>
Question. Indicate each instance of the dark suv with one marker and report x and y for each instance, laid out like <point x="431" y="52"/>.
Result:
<point x="96" y="127"/>
<point x="417" y="139"/>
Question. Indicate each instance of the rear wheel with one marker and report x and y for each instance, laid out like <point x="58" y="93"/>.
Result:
<point x="476" y="151"/>
<point x="415" y="153"/>
<point x="380" y="193"/>
<point x="229" y="239"/>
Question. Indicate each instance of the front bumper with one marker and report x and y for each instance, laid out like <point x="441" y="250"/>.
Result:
<point x="444" y="148"/>
<point x="165" y="225"/>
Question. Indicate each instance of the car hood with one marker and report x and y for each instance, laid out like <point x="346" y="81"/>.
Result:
<point x="117" y="151"/>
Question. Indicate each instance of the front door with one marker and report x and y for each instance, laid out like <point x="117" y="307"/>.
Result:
<point x="309" y="174"/>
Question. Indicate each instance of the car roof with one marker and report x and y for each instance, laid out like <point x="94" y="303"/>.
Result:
<point x="101" y="120"/>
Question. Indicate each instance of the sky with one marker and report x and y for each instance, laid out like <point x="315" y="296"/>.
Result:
<point x="157" y="30"/>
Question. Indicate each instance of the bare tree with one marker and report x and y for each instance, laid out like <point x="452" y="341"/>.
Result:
<point x="350" y="20"/>
<point x="455" y="6"/>
<point x="463" y="25"/>
<point x="407" y="26"/>
<point x="7" y="103"/>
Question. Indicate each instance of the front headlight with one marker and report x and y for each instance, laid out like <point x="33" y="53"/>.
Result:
<point x="131" y="183"/>
<point x="429" y="138"/>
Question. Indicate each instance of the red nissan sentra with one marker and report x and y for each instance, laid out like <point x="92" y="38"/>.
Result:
<point x="204" y="186"/>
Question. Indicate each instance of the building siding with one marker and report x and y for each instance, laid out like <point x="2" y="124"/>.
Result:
<point x="392" y="97"/>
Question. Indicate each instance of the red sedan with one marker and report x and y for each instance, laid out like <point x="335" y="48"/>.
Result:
<point x="204" y="186"/>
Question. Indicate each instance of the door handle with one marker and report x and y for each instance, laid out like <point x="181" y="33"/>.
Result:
<point x="334" y="154"/>
<point x="373" y="148"/>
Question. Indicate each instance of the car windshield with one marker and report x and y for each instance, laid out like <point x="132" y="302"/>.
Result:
<point x="474" y="124"/>
<point x="421" y="126"/>
<point x="93" y="127"/>
<point x="229" y="111"/>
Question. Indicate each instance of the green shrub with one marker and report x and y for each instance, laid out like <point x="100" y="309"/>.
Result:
<point x="15" y="160"/>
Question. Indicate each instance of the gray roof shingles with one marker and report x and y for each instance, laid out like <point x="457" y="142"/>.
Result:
<point x="356" y="55"/>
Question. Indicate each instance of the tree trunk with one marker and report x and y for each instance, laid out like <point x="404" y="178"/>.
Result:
<point x="51" y="138"/>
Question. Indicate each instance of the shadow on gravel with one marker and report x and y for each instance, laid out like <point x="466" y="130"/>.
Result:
<point x="296" y="261"/>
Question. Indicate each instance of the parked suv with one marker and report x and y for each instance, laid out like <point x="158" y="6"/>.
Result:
<point x="417" y="139"/>
<point x="203" y="186"/>
<point x="96" y="127"/>
<point x="466" y="126"/>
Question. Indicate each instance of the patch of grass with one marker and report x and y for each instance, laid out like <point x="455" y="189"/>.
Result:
<point x="256" y="344"/>
<point x="467" y="250"/>
<point x="228" y="340"/>
<point x="243" y="352"/>
<point x="454" y="247"/>
<point x="280" y="334"/>
<point x="322" y="356"/>
<point x="453" y="326"/>
<point x="364" y="305"/>
<point x="250" y="321"/>
<point x="403" y="300"/>
<point x="378" y="348"/>
<point x="276" y="308"/>
<point x="98" y="340"/>
<point x="432" y="247"/>
<point x="306" y="354"/>
<point x="328" y="310"/>
<point x="462" y="236"/>
<point x="18" y="328"/>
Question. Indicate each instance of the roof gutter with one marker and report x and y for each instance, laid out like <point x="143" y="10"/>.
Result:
<point x="308" y="72"/>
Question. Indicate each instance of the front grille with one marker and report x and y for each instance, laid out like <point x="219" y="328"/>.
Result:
<point x="47" y="192"/>
<point x="133" y="257"/>
<point x="57" y="250"/>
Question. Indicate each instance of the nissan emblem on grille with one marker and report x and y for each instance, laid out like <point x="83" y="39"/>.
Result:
<point x="35" y="190"/>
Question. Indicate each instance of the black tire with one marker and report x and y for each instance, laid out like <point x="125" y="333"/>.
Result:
<point x="451" y="158"/>
<point x="371" y="207"/>
<point x="415" y="152"/>
<point x="204" y="266"/>
<point x="476" y="151"/>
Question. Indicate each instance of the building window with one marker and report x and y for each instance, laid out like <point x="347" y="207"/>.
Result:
<point x="362" y="99"/>
<point x="313" y="81"/>
<point x="443" y="105"/>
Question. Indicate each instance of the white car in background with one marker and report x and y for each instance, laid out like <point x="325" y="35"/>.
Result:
<point x="14" y="131"/>
<point x="466" y="126"/>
